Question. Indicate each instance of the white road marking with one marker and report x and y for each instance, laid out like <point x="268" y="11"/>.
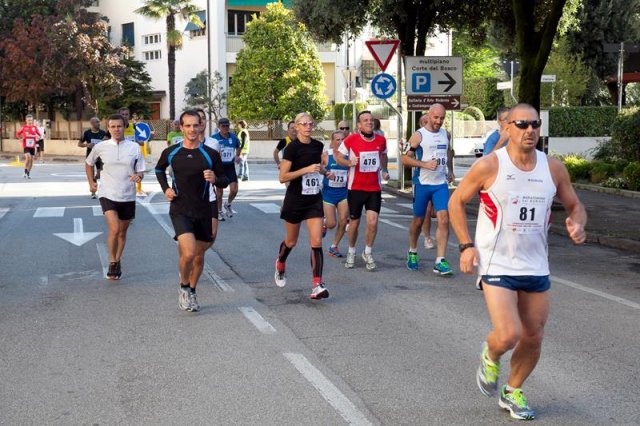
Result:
<point x="44" y="281"/>
<point x="385" y="210"/>
<point x="269" y="208"/>
<point x="388" y="222"/>
<point x="49" y="212"/>
<point x="3" y="212"/>
<point x="257" y="320"/>
<point x="406" y="205"/>
<point x="217" y="280"/>
<point x="602" y="294"/>
<point x="328" y="390"/>
<point x="78" y="237"/>
<point x="158" y="208"/>
<point x="104" y="258"/>
<point x="97" y="210"/>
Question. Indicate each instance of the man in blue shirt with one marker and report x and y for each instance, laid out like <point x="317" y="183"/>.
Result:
<point x="230" y="154"/>
<point x="499" y="137"/>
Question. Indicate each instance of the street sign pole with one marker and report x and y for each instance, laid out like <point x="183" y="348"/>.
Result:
<point x="620" y="75"/>
<point x="400" y="142"/>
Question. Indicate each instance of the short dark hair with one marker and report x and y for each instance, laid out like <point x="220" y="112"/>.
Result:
<point x="290" y="123"/>
<point x="361" y="113"/>
<point x="501" y="111"/>
<point x="191" y="113"/>
<point x="114" y="117"/>
<point x="200" y="110"/>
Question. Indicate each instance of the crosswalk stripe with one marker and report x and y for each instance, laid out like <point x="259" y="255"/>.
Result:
<point x="406" y="205"/>
<point x="49" y="212"/>
<point x="158" y="208"/>
<point x="97" y="210"/>
<point x="269" y="208"/>
<point x="386" y="210"/>
<point x="3" y="212"/>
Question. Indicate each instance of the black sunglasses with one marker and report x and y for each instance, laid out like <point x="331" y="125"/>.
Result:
<point x="343" y="128"/>
<point x="524" y="124"/>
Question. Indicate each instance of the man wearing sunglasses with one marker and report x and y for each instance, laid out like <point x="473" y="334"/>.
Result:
<point x="230" y="152"/>
<point x="517" y="186"/>
<point x="343" y="126"/>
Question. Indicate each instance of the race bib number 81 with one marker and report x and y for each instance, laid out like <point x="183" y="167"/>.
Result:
<point x="526" y="213"/>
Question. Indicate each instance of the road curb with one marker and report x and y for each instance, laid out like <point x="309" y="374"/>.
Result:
<point x="558" y="229"/>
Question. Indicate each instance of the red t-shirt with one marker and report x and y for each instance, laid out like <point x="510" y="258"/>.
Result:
<point x="29" y="134"/>
<point x="365" y="176"/>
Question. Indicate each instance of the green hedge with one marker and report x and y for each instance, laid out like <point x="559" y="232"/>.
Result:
<point x="626" y="134"/>
<point x="581" y="121"/>
<point x="339" y="107"/>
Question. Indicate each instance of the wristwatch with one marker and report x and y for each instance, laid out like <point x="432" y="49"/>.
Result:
<point x="465" y="246"/>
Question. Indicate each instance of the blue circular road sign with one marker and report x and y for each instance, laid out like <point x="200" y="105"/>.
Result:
<point x="383" y="85"/>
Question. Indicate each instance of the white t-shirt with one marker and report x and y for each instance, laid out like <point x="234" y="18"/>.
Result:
<point x="42" y="131"/>
<point x="120" y="161"/>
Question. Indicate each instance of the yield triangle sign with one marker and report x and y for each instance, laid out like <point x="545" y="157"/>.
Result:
<point x="382" y="51"/>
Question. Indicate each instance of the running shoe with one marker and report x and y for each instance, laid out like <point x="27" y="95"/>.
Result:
<point x="334" y="252"/>
<point x="220" y="216"/>
<point x="324" y="230"/>
<point x="193" y="301"/>
<point x="479" y="283"/>
<point x="488" y="372"/>
<point x="319" y="292"/>
<point x="184" y="302"/>
<point x="93" y="195"/>
<point x="111" y="273"/>
<point x="516" y="403"/>
<point x="351" y="260"/>
<point x="428" y="243"/>
<point x="412" y="261"/>
<point x="117" y="273"/>
<point x="245" y="178"/>
<point x="370" y="264"/>
<point x="279" y="276"/>
<point x="228" y="210"/>
<point x="442" y="268"/>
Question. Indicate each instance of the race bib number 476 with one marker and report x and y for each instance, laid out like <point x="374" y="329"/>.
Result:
<point x="369" y="161"/>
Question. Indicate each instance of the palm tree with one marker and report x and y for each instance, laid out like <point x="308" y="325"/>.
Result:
<point x="168" y="9"/>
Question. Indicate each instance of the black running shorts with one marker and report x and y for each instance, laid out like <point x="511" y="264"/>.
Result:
<point x="200" y="227"/>
<point x="295" y="210"/>
<point x="126" y="210"/>
<point x="230" y="172"/>
<point x="370" y="200"/>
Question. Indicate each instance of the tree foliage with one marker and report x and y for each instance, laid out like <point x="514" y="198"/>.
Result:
<point x="572" y="77"/>
<point x="136" y="89"/>
<point x="209" y="95"/>
<point x="278" y="72"/>
<point x="169" y="10"/>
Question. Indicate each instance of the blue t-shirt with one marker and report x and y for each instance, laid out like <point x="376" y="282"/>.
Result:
<point x="228" y="146"/>
<point x="490" y="142"/>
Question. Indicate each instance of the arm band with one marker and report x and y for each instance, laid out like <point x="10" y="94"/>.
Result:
<point x="412" y="149"/>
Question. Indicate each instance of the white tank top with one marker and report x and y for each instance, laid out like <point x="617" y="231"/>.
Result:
<point x="513" y="219"/>
<point x="432" y="146"/>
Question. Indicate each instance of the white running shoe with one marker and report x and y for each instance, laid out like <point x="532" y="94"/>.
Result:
<point x="369" y="262"/>
<point x="351" y="260"/>
<point x="428" y="243"/>
<point x="319" y="292"/>
<point x="228" y="210"/>
<point x="221" y="216"/>
<point x="183" y="299"/>
<point x="280" y="278"/>
<point x="193" y="301"/>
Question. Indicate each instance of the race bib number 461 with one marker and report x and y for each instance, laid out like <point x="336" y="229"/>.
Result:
<point x="369" y="161"/>
<point x="311" y="183"/>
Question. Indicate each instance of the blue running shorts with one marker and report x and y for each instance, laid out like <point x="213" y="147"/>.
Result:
<point x="422" y="194"/>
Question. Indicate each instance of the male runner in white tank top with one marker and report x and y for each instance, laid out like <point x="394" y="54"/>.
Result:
<point x="516" y="185"/>
<point x="430" y="153"/>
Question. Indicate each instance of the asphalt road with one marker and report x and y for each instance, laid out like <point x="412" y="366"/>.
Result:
<point x="388" y="347"/>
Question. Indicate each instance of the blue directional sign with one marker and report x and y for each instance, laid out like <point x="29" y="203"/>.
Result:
<point x="383" y="85"/>
<point x="143" y="132"/>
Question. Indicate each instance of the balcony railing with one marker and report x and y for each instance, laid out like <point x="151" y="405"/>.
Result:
<point x="235" y="44"/>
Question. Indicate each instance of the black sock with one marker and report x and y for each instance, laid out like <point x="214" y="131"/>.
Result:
<point x="284" y="252"/>
<point x="192" y="290"/>
<point x="184" y="286"/>
<point x="317" y="260"/>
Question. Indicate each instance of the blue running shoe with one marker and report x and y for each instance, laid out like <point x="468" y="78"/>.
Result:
<point x="334" y="252"/>
<point x="442" y="268"/>
<point x="412" y="261"/>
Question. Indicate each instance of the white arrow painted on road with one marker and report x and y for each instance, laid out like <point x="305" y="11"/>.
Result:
<point x="78" y="237"/>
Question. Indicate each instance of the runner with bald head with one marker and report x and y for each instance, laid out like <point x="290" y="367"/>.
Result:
<point x="517" y="184"/>
<point x="429" y="152"/>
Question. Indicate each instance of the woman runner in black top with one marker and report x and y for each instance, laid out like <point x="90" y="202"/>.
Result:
<point x="301" y="167"/>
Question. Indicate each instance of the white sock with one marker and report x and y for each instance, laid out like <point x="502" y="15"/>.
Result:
<point x="439" y="259"/>
<point x="352" y="250"/>
<point x="367" y="250"/>
<point x="510" y="389"/>
<point x="413" y="250"/>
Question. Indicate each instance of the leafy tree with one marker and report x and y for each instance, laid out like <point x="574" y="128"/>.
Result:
<point x="278" y="72"/>
<point x="136" y="89"/>
<point x="481" y="59"/>
<point x="572" y="76"/>
<point x="169" y="10"/>
<point x="205" y="94"/>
